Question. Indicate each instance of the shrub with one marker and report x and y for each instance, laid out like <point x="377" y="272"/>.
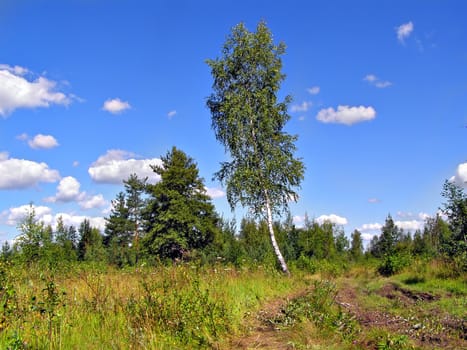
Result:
<point x="393" y="263"/>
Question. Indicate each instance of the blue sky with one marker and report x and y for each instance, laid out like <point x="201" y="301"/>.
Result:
<point x="91" y="91"/>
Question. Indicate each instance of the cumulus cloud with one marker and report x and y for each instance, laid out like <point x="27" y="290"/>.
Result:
<point x="314" y="90"/>
<point x="367" y="237"/>
<point x="18" y="92"/>
<point x="303" y="107"/>
<point x="215" y="192"/>
<point x="375" y="81"/>
<point x="410" y="225"/>
<point x="43" y="141"/>
<point x="70" y="219"/>
<point x="370" y="227"/>
<point x="335" y="219"/>
<point x="403" y="31"/>
<point x="115" y="106"/>
<point x="117" y="165"/>
<point x="14" y="216"/>
<point x="460" y="178"/>
<point x="346" y="115"/>
<point x="21" y="173"/>
<point x="171" y="114"/>
<point x="90" y="202"/>
<point x="68" y="190"/>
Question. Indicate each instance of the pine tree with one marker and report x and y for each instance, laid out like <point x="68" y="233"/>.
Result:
<point x="179" y="216"/>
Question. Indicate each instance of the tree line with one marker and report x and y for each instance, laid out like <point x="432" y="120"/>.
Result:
<point x="174" y="220"/>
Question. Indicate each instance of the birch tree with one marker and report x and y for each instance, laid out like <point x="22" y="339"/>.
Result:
<point x="248" y="119"/>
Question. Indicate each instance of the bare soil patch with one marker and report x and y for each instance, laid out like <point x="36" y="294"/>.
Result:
<point x="428" y="330"/>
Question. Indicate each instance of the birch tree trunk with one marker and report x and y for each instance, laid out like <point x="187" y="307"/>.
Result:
<point x="272" y="236"/>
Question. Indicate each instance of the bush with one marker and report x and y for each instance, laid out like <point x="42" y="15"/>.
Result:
<point x="393" y="263"/>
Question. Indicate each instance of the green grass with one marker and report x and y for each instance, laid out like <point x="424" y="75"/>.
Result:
<point x="188" y="307"/>
<point x="152" y="308"/>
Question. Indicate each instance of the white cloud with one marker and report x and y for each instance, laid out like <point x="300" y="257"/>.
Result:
<point x="375" y="81"/>
<point x="22" y="137"/>
<point x="18" y="92"/>
<point x="374" y="200"/>
<point x="43" y="141"/>
<point x="314" y="90"/>
<point x="70" y="219"/>
<point x="90" y="202"/>
<point x="335" y="219"/>
<point x="409" y="225"/>
<point x="117" y="165"/>
<point x="383" y="84"/>
<point x="21" y="173"/>
<point x="346" y="115"/>
<point x="404" y="215"/>
<point x="115" y="106"/>
<point x="303" y="107"/>
<point x="44" y="214"/>
<point x="460" y="178"/>
<point x="404" y="31"/>
<point x="367" y="237"/>
<point x="15" y="215"/>
<point x="68" y="190"/>
<point x="215" y="192"/>
<point x="298" y="220"/>
<point x="75" y="163"/>
<point x="370" y="227"/>
<point x="171" y="114"/>
<point x="370" y="78"/>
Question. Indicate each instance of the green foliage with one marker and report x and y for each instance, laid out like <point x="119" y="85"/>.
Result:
<point x="179" y="217"/>
<point x="182" y="308"/>
<point x="90" y="246"/>
<point x="319" y="306"/>
<point x="456" y="210"/>
<point x="394" y="342"/>
<point x="393" y="264"/>
<point x="248" y="120"/>
<point x="386" y="243"/>
<point x="356" y="246"/>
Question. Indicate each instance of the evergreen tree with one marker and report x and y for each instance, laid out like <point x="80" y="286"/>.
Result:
<point x="356" y="245"/>
<point x="135" y="189"/>
<point x="118" y="231"/>
<point x="90" y="246"/>
<point x="385" y="244"/>
<point x="248" y="120"/>
<point x="179" y="217"/>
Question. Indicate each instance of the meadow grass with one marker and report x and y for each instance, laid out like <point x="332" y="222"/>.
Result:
<point x="91" y="307"/>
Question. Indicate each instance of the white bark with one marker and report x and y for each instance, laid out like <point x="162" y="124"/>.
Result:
<point x="275" y="246"/>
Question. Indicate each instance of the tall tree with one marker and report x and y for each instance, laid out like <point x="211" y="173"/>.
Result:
<point x="135" y="189"/>
<point x="90" y="245"/>
<point x="248" y="120"/>
<point x="356" y="245"/>
<point x="456" y="211"/>
<point x="118" y="231"/>
<point x="179" y="216"/>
